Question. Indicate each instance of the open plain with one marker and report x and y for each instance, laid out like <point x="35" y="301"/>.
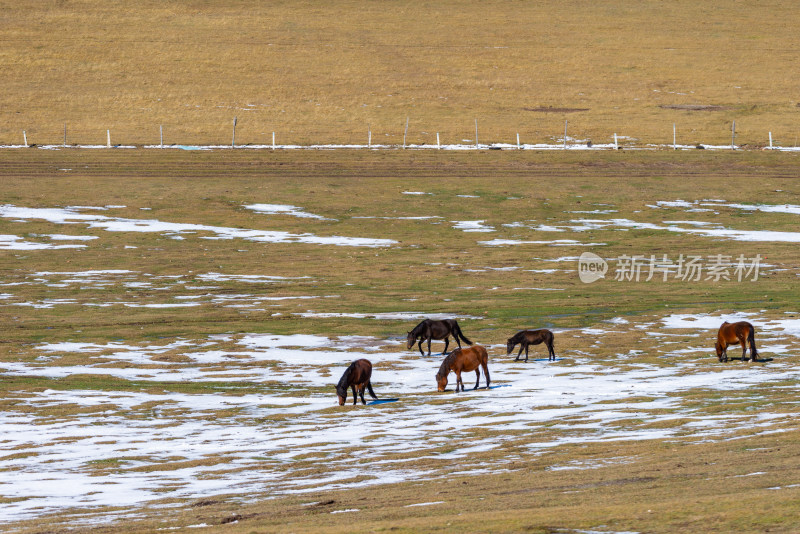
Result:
<point x="174" y="321"/>
<point x="174" y="324"/>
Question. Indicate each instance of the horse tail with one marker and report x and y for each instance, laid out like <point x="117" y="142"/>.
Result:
<point x="369" y="388"/>
<point x="457" y="331"/>
<point x="486" y="367"/>
<point x="751" y="339"/>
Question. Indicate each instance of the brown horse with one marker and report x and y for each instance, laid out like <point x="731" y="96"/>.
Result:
<point x="525" y="338"/>
<point x="430" y="329"/>
<point x="461" y="360"/>
<point x="733" y="333"/>
<point x="356" y="376"/>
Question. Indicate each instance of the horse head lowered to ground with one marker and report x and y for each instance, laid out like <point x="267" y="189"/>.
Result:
<point x="461" y="360"/>
<point x="525" y="338"/>
<point x="356" y="376"/>
<point x="729" y="334"/>
<point x="431" y="329"/>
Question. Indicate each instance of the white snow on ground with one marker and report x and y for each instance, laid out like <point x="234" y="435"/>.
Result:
<point x="13" y="242"/>
<point x="64" y="449"/>
<point x="117" y="224"/>
<point x="472" y="226"/>
<point x="283" y="209"/>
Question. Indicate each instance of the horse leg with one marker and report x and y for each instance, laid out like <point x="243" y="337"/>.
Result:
<point x="458" y="381"/>
<point x="419" y="346"/>
<point x="455" y="335"/>
<point x="519" y="353"/>
<point x="744" y="347"/>
<point x="552" y="352"/>
<point x="486" y="374"/>
<point x="526" y="353"/>
<point x="361" y="393"/>
<point x="478" y="376"/>
<point x="355" y="395"/>
<point x="446" y="343"/>
<point x="429" y="346"/>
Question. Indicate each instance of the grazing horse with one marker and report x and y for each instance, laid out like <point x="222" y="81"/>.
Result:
<point x="525" y="338"/>
<point x="733" y="333"/>
<point x="430" y="329"/>
<point x="356" y="376"/>
<point x="461" y="360"/>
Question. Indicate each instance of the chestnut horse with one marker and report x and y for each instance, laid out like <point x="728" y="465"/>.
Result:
<point x="430" y="329"/>
<point x="356" y="376"/>
<point x="733" y="333"/>
<point x="525" y="338"/>
<point x="461" y="360"/>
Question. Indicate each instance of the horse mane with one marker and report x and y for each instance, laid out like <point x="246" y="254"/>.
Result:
<point x="345" y="380"/>
<point x="444" y="369"/>
<point x="416" y="330"/>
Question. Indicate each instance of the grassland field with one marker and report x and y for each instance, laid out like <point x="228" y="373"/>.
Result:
<point x="153" y="375"/>
<point x="174" y="321"/>
<point x="319" y="73"/>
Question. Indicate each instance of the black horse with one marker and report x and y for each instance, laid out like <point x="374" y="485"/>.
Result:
<point x="531" y="337"/>
<point x="430" y="329"/>
<point x="356" y="376"/>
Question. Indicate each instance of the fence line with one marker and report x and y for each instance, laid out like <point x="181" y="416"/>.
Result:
<point x="566" y="143"/>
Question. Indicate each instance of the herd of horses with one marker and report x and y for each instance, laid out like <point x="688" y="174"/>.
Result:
<point x="464" y="360"/>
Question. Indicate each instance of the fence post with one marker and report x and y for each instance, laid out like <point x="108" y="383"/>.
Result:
<point x="674" y="138"/>
<point x="770" y="139"/>
<point x="108" y="138"/>
<point x="233" y="141"/>
<point x="369" y="136"/>
<point x="25" y="137"/>
<point x="518" y="147"/>
<point x="405" y="132"/>
<point x="565" y="135"/>
<point x="161" y="135"/>
<point x="733" y="136"/>
<point x="65" y="135"/>
<point x="616" y="144"/>
<point x="438" y="144"/>
<point x="476" y="134"/>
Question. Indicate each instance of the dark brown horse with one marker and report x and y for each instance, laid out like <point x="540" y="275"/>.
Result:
<point x="356" y="376"/>
<point x="430" y="329"/>
<point x="733" y="333"/>
<point x="525" y="338"/>
<point x="461" y="360"/>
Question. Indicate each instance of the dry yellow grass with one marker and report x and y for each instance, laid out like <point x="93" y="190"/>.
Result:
<point x="318" y="72"/>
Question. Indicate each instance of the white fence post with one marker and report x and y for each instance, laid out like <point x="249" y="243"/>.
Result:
<point x="438" y="144"/>
<point x="518" y="147"/>
<point x="770" y="139"/>
<point x="733" y="136"/>
<point x="565" y="135"/>
<point x="25" y="137"/>
<point x="108" y="138"/>
<point x="674" y="138"/>
<point x="616" y="144"/>
<point x="273" y="140"/>
<point x="233" y="140"/>
<point x="161" y="134"/>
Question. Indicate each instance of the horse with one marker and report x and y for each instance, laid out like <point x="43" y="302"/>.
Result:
<point x="733" y="333"/>
<point x="525" y="338"/>
<point x="356" y="376"/>
<point x="430" y="329"/>
<point x="461" y="360"/>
